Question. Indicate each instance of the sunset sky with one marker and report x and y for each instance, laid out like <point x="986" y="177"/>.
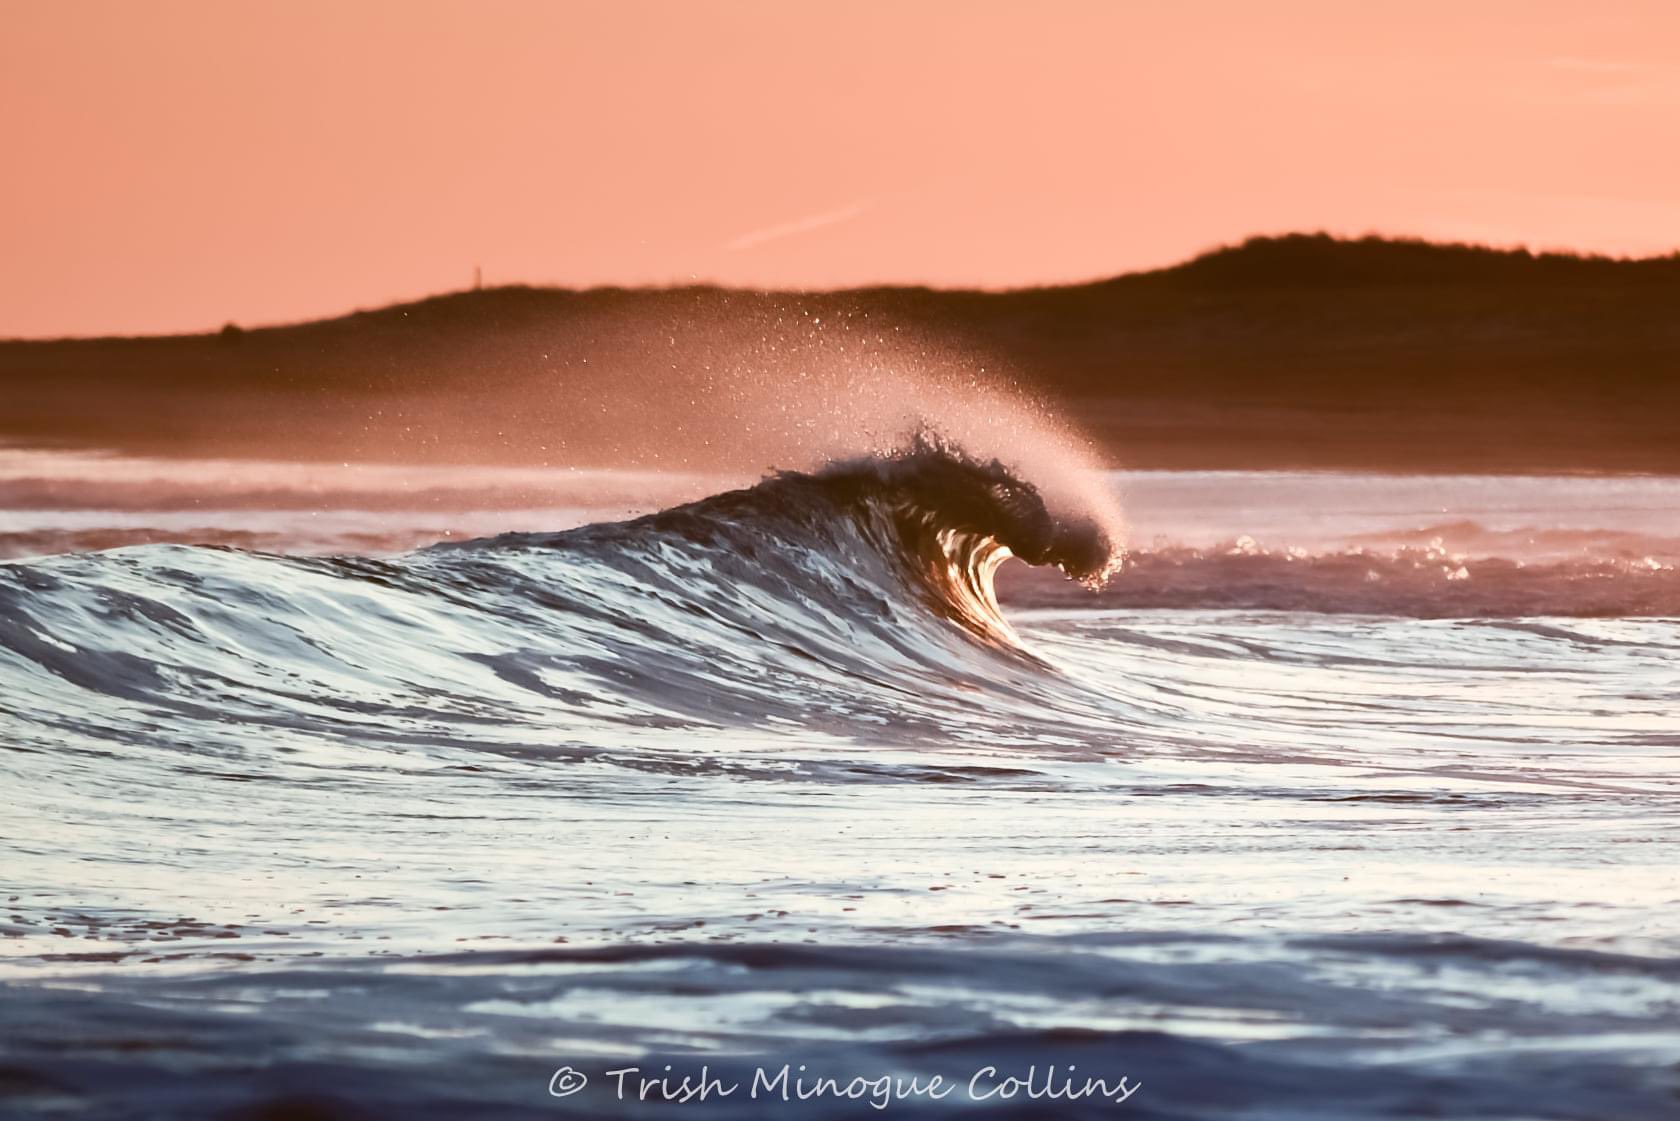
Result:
<point x="175" y="165"/>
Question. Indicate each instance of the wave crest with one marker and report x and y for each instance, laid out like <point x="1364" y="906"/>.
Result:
<point x="954" y="520"/>
<point x="940" y="521"/>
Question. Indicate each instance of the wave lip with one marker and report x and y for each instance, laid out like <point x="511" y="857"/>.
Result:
<point x="955" y="520"/>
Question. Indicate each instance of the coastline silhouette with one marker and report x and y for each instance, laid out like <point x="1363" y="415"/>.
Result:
<point x="1297" y="351"/>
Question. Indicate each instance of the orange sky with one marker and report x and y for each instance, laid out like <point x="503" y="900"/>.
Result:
<point x="174" y="165"/>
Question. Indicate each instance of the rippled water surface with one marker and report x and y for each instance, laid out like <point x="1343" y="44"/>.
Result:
<point x="763" y="783"/>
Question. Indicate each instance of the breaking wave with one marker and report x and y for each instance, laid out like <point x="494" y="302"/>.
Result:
<point x="934" y="522"/>
<point x="806" y="599"/>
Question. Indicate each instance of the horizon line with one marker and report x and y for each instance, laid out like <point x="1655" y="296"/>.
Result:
<point x="1529" y="251"/>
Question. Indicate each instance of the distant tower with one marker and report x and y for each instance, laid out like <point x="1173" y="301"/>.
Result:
<point x="478" y="277"/>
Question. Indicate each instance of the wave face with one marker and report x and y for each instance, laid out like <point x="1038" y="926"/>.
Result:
<point x="778" y="776"/>
<point x="802" y="599"/>
<point x="927" y="522"/>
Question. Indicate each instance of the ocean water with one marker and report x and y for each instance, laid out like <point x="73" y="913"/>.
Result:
<point x="1345" y="797"/>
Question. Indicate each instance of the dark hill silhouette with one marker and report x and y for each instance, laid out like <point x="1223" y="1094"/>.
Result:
<point x="1297" y="351"/>
<point x="1320" y="260"/>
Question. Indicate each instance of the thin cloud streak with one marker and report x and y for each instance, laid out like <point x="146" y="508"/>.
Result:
<point x="796" y="227"/>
